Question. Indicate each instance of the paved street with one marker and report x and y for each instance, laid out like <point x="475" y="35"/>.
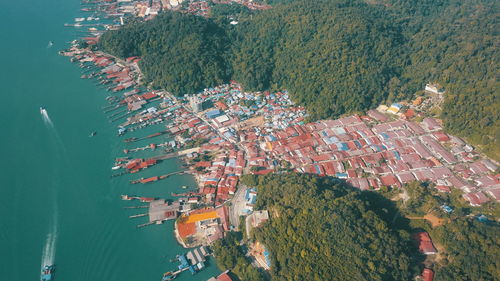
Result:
<point x="237" y="203"/>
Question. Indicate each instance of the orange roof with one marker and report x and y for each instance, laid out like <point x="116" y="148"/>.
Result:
<point x="418" y="101"/>
<point x="201" y="217"/>
<point x="186" y="229"/>
<point x="410" y="113"/>
<point x="224" y="277"/>
<point x="221" y="105"/>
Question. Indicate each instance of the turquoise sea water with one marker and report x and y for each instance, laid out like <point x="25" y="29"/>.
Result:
<point x="57" y="200"/>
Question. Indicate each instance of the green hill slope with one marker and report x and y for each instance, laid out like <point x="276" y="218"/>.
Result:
<point x="322" y="230"/>
<point x="335" y="56"/>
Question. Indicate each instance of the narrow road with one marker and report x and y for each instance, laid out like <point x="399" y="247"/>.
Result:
<point x="237" y="203"/>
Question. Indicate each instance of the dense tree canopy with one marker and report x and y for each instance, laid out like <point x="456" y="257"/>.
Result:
<point x="335" y="56"/>
<point x="472" y="250"/>
<point x="180" y="53"/>
<point x="320" y="229"/>
<point x="230" y="256"/>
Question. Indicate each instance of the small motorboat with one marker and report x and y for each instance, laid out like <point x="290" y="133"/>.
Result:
<point x="93" y="134"/>
<point x="168" y="276"/>
<point x="48" y="273"/>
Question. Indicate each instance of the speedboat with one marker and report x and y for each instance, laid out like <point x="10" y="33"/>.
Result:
<point x="42" y="110"/>
<point x="48" y="273"/>
<point x="168" y="276"/>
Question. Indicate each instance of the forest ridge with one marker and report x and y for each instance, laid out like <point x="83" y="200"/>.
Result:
<point x="334" y="56"/>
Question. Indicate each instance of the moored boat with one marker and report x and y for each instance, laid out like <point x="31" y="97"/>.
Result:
<point x="168" y="276"/>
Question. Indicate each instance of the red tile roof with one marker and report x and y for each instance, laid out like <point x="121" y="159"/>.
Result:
<point x="428" y="274"/>
<point x="424" y="243"/>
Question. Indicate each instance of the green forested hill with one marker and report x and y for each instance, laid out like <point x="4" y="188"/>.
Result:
<point x="180" y="53"/>
<point x="458" y="49"/>
<point x="335" y="56"/>
<point x="472" y="250"/>
<point x="320" y="229"/>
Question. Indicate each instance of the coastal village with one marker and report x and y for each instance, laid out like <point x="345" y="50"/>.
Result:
<point x="224" y="132"/>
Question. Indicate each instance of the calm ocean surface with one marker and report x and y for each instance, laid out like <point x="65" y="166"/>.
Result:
<point x="57" y="199"/>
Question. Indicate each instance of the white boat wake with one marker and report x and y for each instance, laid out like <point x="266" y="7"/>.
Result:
<point x="49" y="249"/>
<point x="45" y="117"/>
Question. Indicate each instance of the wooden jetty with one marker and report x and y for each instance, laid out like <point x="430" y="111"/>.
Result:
<point x="166" y="156"/>
<point x="185" y="194"/>
<point x="147" y="137"/>
<point x="138" y="216"/>
<point x="155" y="178"/>
<point x="145" y="224"/>
<point x="136" y="207"/>
<point x="120" y="117"/>
<point x="116" y="113"/>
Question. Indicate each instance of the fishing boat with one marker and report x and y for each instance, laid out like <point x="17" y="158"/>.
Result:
<point x="47" y="273"/>
<point x="168" y="276"/>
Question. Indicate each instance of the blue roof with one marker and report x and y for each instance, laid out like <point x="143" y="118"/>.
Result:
<point x="397" y="155"/>
<point x="272" y="138"/>
<point x="357" y="143"/>
<point x="482" y="218"/>
<point x="183" y="261"/>
<point x="397" y="105"/>
<point x="192" y="269"/>
<point x="318" y="170"/>
<point x="342" y="146"/>
<point x="447" y="209"/>
<point x="213" y="113"/>
<point x="341" y="175"/>
<point x="266" y="256"/>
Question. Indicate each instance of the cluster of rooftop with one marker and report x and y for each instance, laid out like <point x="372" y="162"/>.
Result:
<point x="122" y="8"/>
<point x="386" y="147"/>
<point x="202" y="7"/>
